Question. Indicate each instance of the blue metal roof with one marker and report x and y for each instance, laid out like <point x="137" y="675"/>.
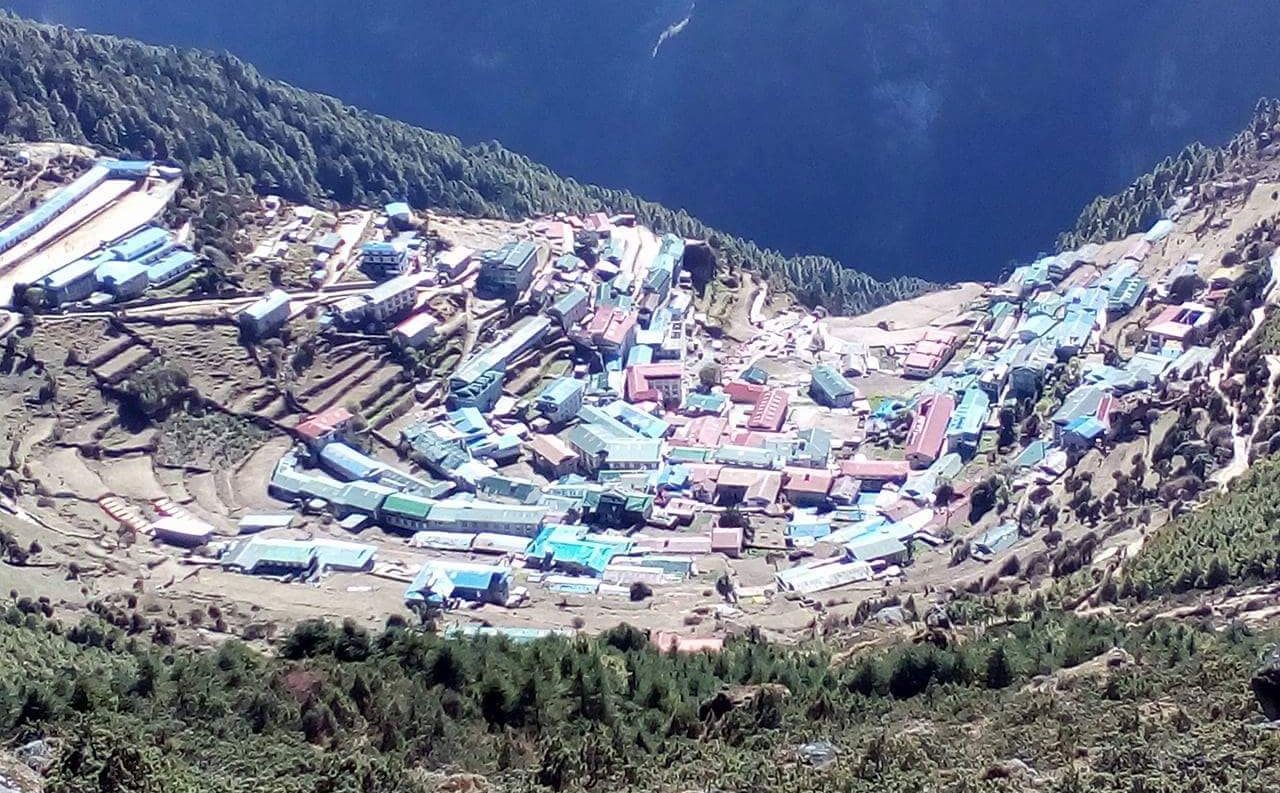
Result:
<point x="970" y="414"/>
<point x="639" y="355"/>
<point x="273" y="301"/>
<point x="140" y="243"/>
<point x="348" y="462"/>
<point x="120" y="271"/>
<point x="469" y="421"/>
<point x="561" y="390"/>
<point x="171" y="265"/>
<point x="996" y="539"/>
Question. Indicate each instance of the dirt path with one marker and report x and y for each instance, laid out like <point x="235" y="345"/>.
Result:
<point x="1240" y="442"/>
<point x="757" y="305"/>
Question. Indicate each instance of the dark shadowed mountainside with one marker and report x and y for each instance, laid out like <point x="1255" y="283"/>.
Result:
<point x="218" y="117"/>
<point x="933" y="138"/>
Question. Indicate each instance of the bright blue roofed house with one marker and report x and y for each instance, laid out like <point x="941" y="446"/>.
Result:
<point x="173" y="265"/>
<point x="561" y="399"/>
<point x="965" y="427"/>
<point x="141" y="244"/>
<point x="349" y="463"/>
<point x="440" y="581"/>
<point x="829" y="387"/>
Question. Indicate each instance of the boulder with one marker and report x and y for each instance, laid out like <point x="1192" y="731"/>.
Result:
<point x="38" y="755"/>
<point x="1266" y="684"/>
<point x="818" y="754"/>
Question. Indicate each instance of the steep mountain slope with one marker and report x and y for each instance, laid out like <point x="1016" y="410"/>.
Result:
<point x="1197" y="165"/>
<point x="220" y="118"/>
<point x="757" y="113"/>
<point x="1039" y="702"/>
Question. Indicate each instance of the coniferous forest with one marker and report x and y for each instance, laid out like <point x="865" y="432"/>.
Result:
<point x="993" y="695"/>
<point x="1037" y="700"/>
<point x="236" y="130"/>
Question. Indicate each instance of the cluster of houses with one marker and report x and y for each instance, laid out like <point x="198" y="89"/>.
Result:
<point x="630" y="466"/>
<point x="122" y="268"/>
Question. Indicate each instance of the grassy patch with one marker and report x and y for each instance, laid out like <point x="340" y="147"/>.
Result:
<point x="212" y="439"/>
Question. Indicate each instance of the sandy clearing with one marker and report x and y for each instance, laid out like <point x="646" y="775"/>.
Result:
<point x="906" y="320"/>
<point x="114" y="208"/>
<point x="131" y="477"/>
<point x="62" y="472"/>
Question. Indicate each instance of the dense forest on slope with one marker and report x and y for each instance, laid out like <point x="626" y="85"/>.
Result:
<point x="857" y="129"/>
<point x="218" y="117"/>
<point x="1232" y="539"/>
<point x="1140" y="204"/>
<point x="339" y="709"/>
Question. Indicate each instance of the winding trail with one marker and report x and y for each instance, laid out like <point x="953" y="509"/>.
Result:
<point x="1240" y="441"/>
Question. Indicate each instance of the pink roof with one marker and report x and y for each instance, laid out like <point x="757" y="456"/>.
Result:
<point x="704" y="473"/>
<point x="919" y="360"/>
<point x="765" y="490"/>
<point x="648" y="542"/>
<point x="454" y="257"/>
<point x="324" y="423"/>
<point x="770" y="411"/>
<point x="702" y="431"/>
<point x="929" y="428"/>
<point x="876" y="469"/>
<point x="946" y="337"/>
<point x="808" y="480"/>
<point x="1138" y="251"/>
<point x="740" y="391"/>
<point x="689" y="543"/>
<point x="726" y="538"/>
<point x="415" y="323"/>
<point x="666" y="641"/>
<point x="934" y="348"/>
<point x="1178" y="321"/>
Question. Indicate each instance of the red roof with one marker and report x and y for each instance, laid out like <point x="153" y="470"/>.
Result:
<point x="740" y="477"/>
<point x="749" y="438"/>
<point x="876" y="469"/>
<point x="922" y="360"/>
<point x="933" y="348"/>
<point x="640" y="378"/>
<point x="324" y="423"/>
<point x="946" y="337"/>
<point x="765" y="489"/>
<point x="770" y="411"/>
<point x="620" y="326"/>
<point x="600" y="320"/>
<point x="637" y="388"/>
<point x="551" y="449"/>
<point x="740" y="391"/>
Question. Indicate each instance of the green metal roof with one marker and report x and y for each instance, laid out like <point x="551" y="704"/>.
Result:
<point x="408" y="505"/>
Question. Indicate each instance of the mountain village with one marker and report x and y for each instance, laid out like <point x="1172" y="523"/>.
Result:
<point x="522" y="428"/>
